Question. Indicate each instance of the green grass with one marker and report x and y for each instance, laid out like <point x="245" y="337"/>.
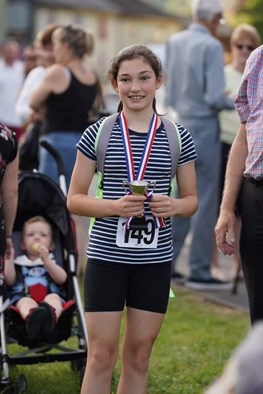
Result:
<point x="195" y="342"/>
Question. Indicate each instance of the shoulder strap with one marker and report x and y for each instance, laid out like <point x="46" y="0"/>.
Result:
<point x="174" y="140"/>
<point x="102" y="140"/>
<point x="104" y="133"/>
<point x="101" y="144"/>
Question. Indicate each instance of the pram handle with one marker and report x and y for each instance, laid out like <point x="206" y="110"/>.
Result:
<point x="56" y="155"/>
<point x="60" y="164"/>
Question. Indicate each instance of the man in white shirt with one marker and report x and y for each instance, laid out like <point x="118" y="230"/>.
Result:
<point x="11" y="80"/>
<point x="195" y="91"/>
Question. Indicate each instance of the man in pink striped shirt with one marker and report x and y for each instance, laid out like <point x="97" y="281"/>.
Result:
<point x="244" y="184"/>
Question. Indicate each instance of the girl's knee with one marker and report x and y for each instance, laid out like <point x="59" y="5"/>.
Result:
<point x="101" y="360"/>
<point x="53" y="298"/>
<point x="138" y="357"/>
<point x="26" y="302"/>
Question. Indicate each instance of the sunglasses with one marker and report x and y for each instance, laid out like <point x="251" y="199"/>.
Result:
<point x="241" y="46"/>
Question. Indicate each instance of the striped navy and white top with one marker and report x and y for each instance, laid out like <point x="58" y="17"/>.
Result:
<point x="102" y="243"/>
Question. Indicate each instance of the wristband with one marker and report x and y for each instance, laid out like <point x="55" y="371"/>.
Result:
<point x="8" y="236"/>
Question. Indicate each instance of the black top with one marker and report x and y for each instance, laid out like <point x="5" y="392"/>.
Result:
<point x="8" y="151"/>
<point x="8" y="148"/>
<point x="68" y="111"/>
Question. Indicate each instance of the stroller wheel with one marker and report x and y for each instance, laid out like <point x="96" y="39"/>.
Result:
<point x="16" y="387"/>
<point x="6" y="387"/>
<point x="20" y="385"/>
<point x="79" y="366"/>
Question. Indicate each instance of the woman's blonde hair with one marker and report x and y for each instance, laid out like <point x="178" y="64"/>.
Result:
<point x="44" y="36"/>
<point x="80" y="41"/>
<point x="246" y="31"/>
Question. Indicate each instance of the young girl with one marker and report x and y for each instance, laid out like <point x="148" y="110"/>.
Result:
<point x="120" y="271"/>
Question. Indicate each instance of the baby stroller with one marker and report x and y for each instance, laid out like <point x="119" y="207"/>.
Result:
<point x="40" y="195"/>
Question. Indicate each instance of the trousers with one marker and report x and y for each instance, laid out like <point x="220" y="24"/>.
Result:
<point x="251" y="246"/>
<point x="65" y="144"/>
<point x="205" y="133"/>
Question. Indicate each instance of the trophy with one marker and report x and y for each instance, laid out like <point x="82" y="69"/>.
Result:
<point x="138" y="187"/>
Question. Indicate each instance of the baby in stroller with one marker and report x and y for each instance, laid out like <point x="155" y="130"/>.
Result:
<point x="35" y="279"/>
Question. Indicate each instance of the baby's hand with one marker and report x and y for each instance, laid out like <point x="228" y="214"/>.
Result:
<point x="41" y="249"/>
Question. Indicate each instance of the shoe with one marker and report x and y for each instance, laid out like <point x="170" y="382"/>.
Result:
<point x="50" y="320"/>
<point x="208" y="284"/>
<point x="35" y="320"/>
<point x="178" y="278"/>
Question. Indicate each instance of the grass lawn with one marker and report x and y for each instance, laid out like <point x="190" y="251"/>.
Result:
<point x="196" y="340"/>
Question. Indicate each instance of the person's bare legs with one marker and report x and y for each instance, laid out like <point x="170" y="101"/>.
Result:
<point x="216" y="270"/>
<point x="142" y="329"/>
<point x="25" y="304"/>
<point x="103" y="344"/>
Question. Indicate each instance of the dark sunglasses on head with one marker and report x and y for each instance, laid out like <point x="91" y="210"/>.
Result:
<point x="248" y="47"/>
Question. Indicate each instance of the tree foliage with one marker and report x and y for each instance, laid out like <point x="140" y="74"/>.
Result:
<point x="251" y="11"/>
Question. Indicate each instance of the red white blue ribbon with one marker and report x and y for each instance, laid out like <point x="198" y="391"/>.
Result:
<point x="128" y="150"/>
<point x="159" y="222"/>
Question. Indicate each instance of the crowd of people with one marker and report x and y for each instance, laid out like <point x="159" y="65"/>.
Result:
<point x="218" y="184"/>
<point x="196" y="91"/>
<point x="244" y="39"/>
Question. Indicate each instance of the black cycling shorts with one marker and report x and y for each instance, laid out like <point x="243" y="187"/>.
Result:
<point x="109" y="286"/>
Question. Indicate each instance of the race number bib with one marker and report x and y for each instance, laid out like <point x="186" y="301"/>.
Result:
<point x="130" y="238"/>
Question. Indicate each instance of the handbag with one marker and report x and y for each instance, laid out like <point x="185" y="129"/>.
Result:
<point x="29" y="148"/>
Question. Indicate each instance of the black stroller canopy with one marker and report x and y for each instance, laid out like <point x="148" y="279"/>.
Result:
<point x="40" y="195"/>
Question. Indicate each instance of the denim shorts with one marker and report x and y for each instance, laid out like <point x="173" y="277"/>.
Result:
<point x="65" y="144"/>
<point x="109" y="286"/>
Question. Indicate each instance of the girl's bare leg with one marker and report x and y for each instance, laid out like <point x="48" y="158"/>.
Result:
<point x="103" y="342"/>
<point x="142" y="329"/>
